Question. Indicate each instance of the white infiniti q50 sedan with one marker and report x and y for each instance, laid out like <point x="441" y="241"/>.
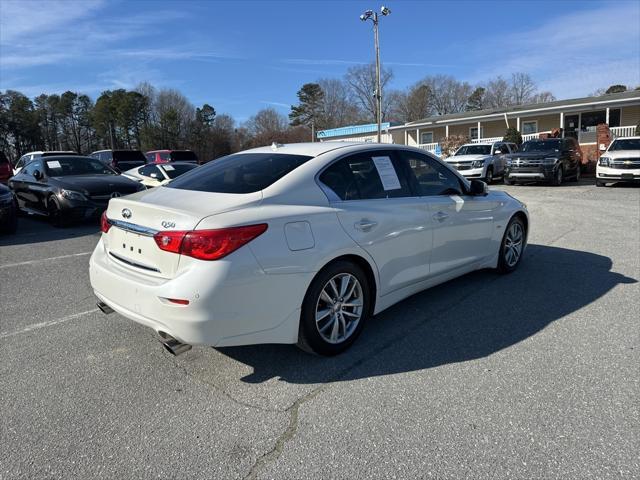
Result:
<point x="297" y="243"/>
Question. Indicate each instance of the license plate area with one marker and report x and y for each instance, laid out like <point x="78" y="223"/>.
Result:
<point x="135" y="250"/>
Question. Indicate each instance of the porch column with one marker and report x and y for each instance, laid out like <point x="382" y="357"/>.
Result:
<point x="446" y="130"/>
<point x="479" y="134"/>
<point x="518" y="123"/>
<point x="607" y="118"/>
<point x="562" y="122"/>
<point x="406" y="138"/>
<point x="418" y="142"/>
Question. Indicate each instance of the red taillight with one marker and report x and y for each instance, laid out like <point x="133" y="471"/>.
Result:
<point x="104" y="222"/>
<point x="208" y="244"/>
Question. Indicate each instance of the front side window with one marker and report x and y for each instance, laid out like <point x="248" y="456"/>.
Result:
<point x="240" y="173"/>
<point x="530" y="127"/>
<point x="32" y="167"/>
<point x="365" y="176"/>
<point x="429" y="176"/>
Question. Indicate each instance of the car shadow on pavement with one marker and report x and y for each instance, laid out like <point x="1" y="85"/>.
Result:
<point x="33" y="229"/>
<point x="465" y="319"/>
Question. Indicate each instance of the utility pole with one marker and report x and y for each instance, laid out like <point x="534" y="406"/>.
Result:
<point x="373" y="16"/>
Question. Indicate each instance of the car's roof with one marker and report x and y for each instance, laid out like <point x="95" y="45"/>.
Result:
<point x="486" y="144"/>
<point x="316" y="148"/>
<point x="174" y="163"/>
<point x="627" y="138"/>
<point x="48" y="151"/>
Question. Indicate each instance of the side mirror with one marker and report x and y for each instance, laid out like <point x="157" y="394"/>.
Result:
<point x="37" y="174"/>
<point x="478" y="188"/>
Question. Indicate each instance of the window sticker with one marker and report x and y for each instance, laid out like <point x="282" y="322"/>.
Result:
<point x="168" y="168"/>
<point x="54" y="164"/>
<point x="387" y="173"/>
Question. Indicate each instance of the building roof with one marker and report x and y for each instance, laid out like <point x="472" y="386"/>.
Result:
<point x="355" y="129"/>
<point x="530" y="107"/>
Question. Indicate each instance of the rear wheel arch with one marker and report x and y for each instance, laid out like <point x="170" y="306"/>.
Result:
<point x="366" y="267"/>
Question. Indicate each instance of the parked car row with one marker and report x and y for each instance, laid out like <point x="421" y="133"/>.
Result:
<point x="67" y="187"/>
<point x="551" y="160"/>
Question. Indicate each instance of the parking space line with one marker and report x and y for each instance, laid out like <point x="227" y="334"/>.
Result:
<point x="37" y="326"/>
<point x="31" y="262"/>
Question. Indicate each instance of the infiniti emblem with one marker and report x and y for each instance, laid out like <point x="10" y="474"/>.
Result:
<point x="115" y="194"/>
<point x="126" y="213"/>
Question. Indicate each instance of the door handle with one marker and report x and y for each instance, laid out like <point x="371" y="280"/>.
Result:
<point x="365" y="225"/>
<point x="440" y="216"/>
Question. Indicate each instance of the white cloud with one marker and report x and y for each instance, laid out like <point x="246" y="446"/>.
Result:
<point x="570" y="55"/>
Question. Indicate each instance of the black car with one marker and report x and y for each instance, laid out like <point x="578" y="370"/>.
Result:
<point x="544" y="160"/>
<point x="69" y="188"/>
<point x="8" y="211"/>
<point x="121" y="160"/>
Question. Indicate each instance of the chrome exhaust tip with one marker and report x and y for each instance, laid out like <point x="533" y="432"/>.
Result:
<point x="106" y="309"/>
<point x="173" y="346"/>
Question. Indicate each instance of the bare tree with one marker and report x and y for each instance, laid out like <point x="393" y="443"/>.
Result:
<point x="543" y="97"/>
<point x="497" y="93"/>
<point x="522" y="88"/>
<point x="362" y="82"/>
<point x="338" y="109"/>
<point x="412" y="104"/>
<point x="448" y="95"/>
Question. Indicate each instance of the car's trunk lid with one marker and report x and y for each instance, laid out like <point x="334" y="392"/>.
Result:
<point x="137" y="218"/>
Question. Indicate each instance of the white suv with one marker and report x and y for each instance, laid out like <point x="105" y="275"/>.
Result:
<point x="620" y="162"/>
<point x="482" y="160"/>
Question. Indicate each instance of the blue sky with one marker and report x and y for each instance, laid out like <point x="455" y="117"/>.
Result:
<point x="242" y="56"/>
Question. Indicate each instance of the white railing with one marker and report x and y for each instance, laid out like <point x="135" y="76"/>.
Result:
<point x="429" y="147"/>
<point x="532" y="136"/>
<point x="623" y="131"/>
<point x="384" y="138"/>
<point x="486" y="140"/>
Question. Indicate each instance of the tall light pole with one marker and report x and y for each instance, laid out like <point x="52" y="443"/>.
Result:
<point x="373" y="16"/>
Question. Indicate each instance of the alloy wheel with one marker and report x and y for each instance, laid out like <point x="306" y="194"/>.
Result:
<point x="339" y="308"/>
<point x="513" y="244"/>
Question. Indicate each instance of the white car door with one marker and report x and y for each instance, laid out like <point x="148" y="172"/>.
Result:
<point x="377" y="209"/>
<point x="462" y="224"/>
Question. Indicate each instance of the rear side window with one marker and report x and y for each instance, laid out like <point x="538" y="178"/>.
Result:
<point x="240" y="173"/>
<point x="366" y="175"/>
<point x="165" y="156"/>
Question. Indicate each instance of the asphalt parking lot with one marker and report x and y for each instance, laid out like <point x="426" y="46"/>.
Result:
<point x="532" y="375"/>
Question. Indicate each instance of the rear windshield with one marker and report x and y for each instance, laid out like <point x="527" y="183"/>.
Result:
<point x="184" y="156"/>
<point x="68" y="166"/>
<point x="129" y="155"/>
<point x="541" y="146"/>
<point x="474" y="150"/>
<point x="626" y="144"/>
<point x="239" y="173"/>
<point x="175" y="170"/>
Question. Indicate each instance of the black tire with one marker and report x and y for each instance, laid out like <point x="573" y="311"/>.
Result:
<point x="509" y="182"/>
<point x="578" y="173"/>
<point x="600" y="183"/>
<point x="504" y="264"/>
<point x="489" y="176"/>
<point x="309" y="338"/>
<point x="56" y="215"/>
<point x="558" y="177"/>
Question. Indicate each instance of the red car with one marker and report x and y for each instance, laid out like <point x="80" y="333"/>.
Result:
<point x="164" y="156"/>
<point x="6" y="171"/>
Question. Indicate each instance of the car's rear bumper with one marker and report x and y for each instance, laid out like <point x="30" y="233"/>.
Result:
<point x="231" y="301"/>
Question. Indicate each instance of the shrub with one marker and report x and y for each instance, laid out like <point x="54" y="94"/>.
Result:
<point x="451" y="143"/>
<point x="513" y="135"/>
